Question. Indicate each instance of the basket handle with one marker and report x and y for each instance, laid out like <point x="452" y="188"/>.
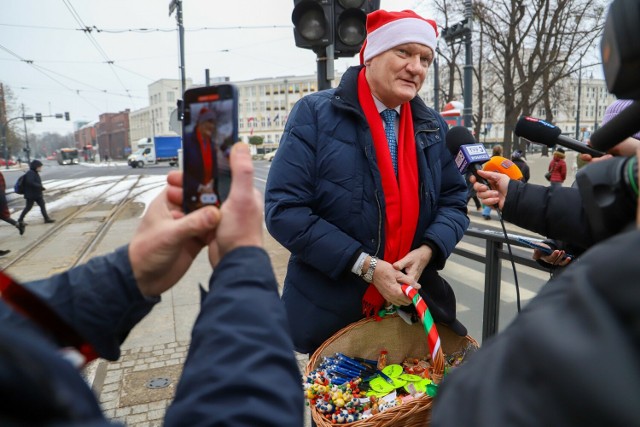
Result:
<point x="433" y="338"/>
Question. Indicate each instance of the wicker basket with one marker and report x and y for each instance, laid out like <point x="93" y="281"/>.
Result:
<point x="365" y="339"/>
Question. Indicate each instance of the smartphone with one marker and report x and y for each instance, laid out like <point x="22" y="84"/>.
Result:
<point x="209" y="129"/>
<point x="535" y="245"/>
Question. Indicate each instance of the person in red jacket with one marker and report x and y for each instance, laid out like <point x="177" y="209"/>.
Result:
<point x="558" y="168"/>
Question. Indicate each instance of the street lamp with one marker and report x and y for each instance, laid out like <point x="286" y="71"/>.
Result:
<point x="487" y="128"/>
<point x="462" y="31"/>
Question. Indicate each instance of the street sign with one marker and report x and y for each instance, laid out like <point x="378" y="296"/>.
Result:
<point x="175" y="124"/>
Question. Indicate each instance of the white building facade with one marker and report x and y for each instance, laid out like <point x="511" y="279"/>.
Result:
<point x="153" y="120"/>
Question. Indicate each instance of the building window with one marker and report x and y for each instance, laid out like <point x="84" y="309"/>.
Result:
<point x="171" y="96"/>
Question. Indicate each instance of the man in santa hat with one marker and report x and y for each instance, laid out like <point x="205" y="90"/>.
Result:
<point x="364" y="193"/>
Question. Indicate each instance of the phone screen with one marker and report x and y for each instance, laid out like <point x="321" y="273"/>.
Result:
<point x="209" y="128"/>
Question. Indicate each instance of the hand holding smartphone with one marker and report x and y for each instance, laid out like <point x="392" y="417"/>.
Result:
<point x="534" y="244"/>
<point x="209" y="128"/>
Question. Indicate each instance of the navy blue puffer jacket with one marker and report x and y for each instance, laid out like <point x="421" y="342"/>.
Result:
<point x="324" y="202"/>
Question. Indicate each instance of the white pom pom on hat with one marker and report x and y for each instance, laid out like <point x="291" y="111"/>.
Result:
<point x="386" y="30"/>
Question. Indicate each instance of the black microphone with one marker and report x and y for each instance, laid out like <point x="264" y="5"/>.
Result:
<point x="466" y="151"/>
<point x="541" y="132"/>
<point x="616" y="130"/>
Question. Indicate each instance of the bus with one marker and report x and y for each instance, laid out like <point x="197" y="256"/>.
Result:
<point x="67" y="156"/>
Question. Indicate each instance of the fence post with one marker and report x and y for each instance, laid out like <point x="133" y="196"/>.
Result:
<point x="492" y="281"/>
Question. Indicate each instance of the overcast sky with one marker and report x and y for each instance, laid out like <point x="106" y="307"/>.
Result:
<point x="241" y="39"/>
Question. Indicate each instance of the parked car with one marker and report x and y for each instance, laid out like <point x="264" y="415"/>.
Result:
<point x="269" y="156"/>
<point x="3" y="162"/>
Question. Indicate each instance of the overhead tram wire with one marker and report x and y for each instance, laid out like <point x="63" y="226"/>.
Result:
<point x="88" y="33"/>
<point x="149" y="30"/>
<point x="46" y="72"/>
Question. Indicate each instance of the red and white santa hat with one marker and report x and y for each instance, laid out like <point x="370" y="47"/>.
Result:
<point x="386" y="30"/>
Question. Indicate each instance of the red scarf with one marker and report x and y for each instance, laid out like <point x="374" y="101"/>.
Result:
<point x="207" y="159"/>
<point x="400" y="194"/>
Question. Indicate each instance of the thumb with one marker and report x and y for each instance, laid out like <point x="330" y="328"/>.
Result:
<point x="198" y="222"/>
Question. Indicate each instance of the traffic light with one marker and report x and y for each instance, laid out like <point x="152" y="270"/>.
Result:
<point x="38" y="117"/>
<point x="313" y="23"/>
<point x="456" y="31"/>
<point x="66" y="116"/>
<point x="350" y="17"/>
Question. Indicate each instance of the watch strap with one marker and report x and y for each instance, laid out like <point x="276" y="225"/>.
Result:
<point x="368" y="276"/>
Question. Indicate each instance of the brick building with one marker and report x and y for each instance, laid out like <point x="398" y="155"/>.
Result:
<point x="112" y="133"/>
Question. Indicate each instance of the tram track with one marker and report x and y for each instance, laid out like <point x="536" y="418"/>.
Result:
<point x="81" y="230"/>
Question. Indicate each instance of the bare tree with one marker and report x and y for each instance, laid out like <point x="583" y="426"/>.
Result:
<point x="534" y="45"/>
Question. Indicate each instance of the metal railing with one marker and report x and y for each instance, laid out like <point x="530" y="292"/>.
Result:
<point x="495" y="252"/>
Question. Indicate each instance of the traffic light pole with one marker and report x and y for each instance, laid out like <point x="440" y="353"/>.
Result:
<point x="26" y="137"/>
<point x="4" y="144"/>
<point x="4" y="126"/>
<point x="468" y="69"/>
<point x="324" y="60"/>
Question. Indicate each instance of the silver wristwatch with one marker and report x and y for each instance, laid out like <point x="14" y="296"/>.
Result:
<point x="368" y="276"/>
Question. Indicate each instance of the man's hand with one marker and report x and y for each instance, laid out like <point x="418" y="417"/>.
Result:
<point x="242" y="213"/>
<point x="167" y="241"/>
<point x="626" y="148"/>
<point x="388" y="280"/>
<point x="414" y="263"/>
<point x="557" y="257"/>
<point x="500" y="184"/>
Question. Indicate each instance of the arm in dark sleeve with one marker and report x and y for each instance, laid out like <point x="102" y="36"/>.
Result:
<point x="557" y="214"/>
<point x="539" y="370"/>
<point x="241" y="369"/>
<point x="100" y="299"/>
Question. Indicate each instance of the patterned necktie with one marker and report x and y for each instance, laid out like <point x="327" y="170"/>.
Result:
<point x="389" y="117"/>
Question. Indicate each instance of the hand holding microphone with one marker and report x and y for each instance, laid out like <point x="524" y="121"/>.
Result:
<point x="497" y="173"/>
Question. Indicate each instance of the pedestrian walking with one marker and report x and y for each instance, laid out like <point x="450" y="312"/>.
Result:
<point x="33" y="192"/>
<point x="557" y="168"/>
<point x="518" y="159"/>
<point x="5" y="215"/>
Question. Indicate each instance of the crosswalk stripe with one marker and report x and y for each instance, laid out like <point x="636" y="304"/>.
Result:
<point x="475" y="280"/>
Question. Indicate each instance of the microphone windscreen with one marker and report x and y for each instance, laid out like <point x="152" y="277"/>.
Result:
<point x="616" y="130"/>
<point x="458" y="136"/>
<point x="503" y="165"/>
<point x="538" y="131"/>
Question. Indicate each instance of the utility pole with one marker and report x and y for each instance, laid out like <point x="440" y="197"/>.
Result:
<point x="436" y="80"/>
<point x="3" y="125"/>
<point x="578" y="105"/>
<point x="26" y="137"/>
<point x="177" y="5"/>
<point x="468" y="67"/>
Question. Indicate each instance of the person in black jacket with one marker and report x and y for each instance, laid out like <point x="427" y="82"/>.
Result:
<point x="517" y="157"/>
<point x="570" y="358"/>
<point x="33" y="192"/>
<point x="240" y="369"/>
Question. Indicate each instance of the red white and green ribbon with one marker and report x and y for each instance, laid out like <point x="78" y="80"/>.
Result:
<point x="433" y="338"/>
